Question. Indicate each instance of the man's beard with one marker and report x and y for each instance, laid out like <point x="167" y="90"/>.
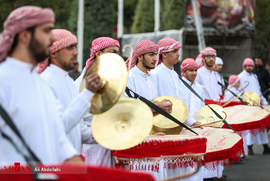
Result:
<point x="208" y="64"/>
<point x="68" y="66"/>
<point x="145" y="64"/>
<point x="37" y="50"/>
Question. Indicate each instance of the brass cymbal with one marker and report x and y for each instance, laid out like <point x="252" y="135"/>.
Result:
<point x="123" y="126"/>
<point x="165" y="125"/>
<point x="113" y="73"/>
<point x="252" y="98"/>
<point x="205" y="115"/>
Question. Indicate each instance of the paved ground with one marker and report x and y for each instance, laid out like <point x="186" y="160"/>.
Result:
<point x="255" y="168"/>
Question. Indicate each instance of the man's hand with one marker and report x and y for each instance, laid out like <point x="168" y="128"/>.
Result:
<point x="197" y="125"/>
<point x="92" y="82"/>
<point x="166" y="105"/>
<point x="268" y="97"/>
<point x="74" y="160"/>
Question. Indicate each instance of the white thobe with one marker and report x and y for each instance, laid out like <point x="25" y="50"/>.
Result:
<point x="145" y="84"/>
<point x="93" y="153"/>
<point x="253" y="86"/>
<point x="208" y="80"/>
<point x="221" y="80"/>
<point x="73" y="105"/>
<point x="169" y="84"/>
<point x="33" y="108"/>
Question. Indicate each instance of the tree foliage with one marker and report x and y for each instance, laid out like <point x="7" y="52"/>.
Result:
<point x="100" y="19"/>
<point x="262" y="29"/>
<point x="60" y="7"/>
<point x="171" y="15"/>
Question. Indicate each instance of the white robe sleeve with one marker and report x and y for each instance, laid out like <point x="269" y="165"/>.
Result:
<point x="73" y="114"/>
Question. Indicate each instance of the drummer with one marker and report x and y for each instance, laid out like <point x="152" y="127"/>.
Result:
<point x="217" y="68"/>
<point x="144" y="83"/>
<point x="207" y="79"/>
<point x="234" y="85"/>
<point x="206" y="76"/>
<point x="94" y="153"/>
<point x="247" y="76"/>
<point x="169" y="83"/>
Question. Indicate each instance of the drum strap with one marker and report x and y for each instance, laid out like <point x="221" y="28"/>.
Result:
<point x="32" y="159"/>
<point x="158" y="109"/>
<point x="194" y="92"/>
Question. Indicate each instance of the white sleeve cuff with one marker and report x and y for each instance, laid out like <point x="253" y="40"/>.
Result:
<point x="87" y="94"/>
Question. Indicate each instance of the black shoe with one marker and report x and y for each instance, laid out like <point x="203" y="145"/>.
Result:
<point x="266" y="150"/>
<point x="242" y="159"/>
<point x="250" y="151"/>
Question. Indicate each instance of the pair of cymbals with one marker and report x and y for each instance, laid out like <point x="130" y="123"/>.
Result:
<point x="113" y="73"/>
<point x="165" y="125"/>
<point x="252" y="98"/>
<point x="206" y="116"/>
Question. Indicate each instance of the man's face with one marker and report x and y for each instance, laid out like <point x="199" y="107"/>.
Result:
<point x="218" y="67"/>
<point x="41" y="41"/>
<point x="148" y="60"/>
<point x="209" y="60"/>
<point x="258" y="62"/>
<point x="249" y="68"/>
<point x="172" y="56"/>
<point x="191" y="74"/>
<point x="237" y="85"/>
<point x="267" y="67"/>
<point x="67" y="57"/>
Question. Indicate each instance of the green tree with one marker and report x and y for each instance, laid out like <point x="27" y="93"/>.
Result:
<point x="144" y="17"/>
<point x="100" y="19"/>
<point x="262" y="29"/>
<point x="61" y="9"/>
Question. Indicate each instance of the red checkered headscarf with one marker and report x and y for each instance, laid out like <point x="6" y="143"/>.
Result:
<point x="247" y="61"/>
<point x="166" y="45"/>
<point x="199" y="60"/>
<point x="143" y="47"/>
<point x="99" y="44"/>
<point x="188" y="63"/>
<point x="21" y="19"/>
<point x="64" y="38"/>
<point x="209" y="51"/>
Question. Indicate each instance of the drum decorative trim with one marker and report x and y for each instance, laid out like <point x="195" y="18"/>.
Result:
<point x="170" y="148"/>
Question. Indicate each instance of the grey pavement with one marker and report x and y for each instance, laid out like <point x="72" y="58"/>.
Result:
<point x="255" y="168"/>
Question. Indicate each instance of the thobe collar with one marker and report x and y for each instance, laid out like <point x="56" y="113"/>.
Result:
<point x="58" y="70"/>
<point x="166" y="68"/>
<point x="145" y="75"/>
<point x="205" y="69"/>
<point x="245" y="72"/>
<point x="189" y="83"/>
<point x="19" y="63"/>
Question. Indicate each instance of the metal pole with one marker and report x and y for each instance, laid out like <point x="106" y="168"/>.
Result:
<point x="120" y="19"/>
<point x="157" y="17"/>
<point x="80" y="30"/>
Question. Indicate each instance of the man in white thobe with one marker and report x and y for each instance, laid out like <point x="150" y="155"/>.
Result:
<point x="94" y="153"/>
<point x="207" y="79"/>
<point x="169" y="84"/>
<point x="206" y="76"/>
<point x="246" y="76"/>
<point x="74" y="106"/>
<point x="144" y="83"/>
<point x="26" y="97"/>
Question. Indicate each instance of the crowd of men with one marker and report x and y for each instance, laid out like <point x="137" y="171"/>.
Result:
<point x="52" y="116"/>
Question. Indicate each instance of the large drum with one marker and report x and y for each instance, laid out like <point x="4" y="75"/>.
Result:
<point x="252" y="118"/>
<point x="223" y="145"/>
<point x="170" y="148"/>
